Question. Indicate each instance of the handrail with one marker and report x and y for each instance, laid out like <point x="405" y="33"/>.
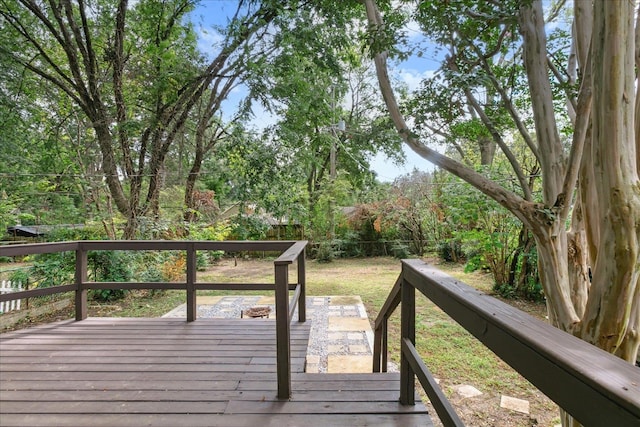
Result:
<point x="291" y="251"/>
<point x="380" y="334"/>
<point x="595" y="387"/>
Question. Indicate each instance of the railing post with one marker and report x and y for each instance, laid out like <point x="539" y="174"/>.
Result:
<point x="283" y="350"/>
<point x="385" y="346"/>
<point x="408" y="331"/>
<point x="80" y="278"/>
<point x="377" y="349"/>
<point x="380" y="347"/>
<point x="191" y="282"/>
<point x="302" y="281"/>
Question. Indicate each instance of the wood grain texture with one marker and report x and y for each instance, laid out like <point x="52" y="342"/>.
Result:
<point x="168" y="372"/>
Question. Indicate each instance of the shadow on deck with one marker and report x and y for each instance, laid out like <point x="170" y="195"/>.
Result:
<point x="168" y="372"/>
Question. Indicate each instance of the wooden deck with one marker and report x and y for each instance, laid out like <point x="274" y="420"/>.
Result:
<point x="167" y="372"/>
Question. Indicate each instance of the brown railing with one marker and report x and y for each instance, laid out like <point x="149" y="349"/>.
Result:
<point x="290" y="252"/>
<point x="595" y="387"/>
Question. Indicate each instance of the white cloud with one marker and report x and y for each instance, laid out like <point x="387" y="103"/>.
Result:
<point x="412" y="78"/>
<point x="414" y="31"/>
<point x="209" y="42"/>
<point x="387" y="171"/>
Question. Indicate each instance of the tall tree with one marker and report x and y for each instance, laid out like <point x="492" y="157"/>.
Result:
<point x="589" y="177"/>
<point x="332" y="120"/>
<point x="134" y="72"/>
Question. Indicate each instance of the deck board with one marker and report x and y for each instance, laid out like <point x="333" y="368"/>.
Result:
<point x="167" y="372"/>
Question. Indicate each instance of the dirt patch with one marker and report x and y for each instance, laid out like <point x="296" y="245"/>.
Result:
<point x="239" y="268"/>
<point x="485" y="410"/>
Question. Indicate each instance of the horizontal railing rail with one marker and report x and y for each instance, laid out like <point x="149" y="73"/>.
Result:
<point x="595" y="387"/>
<point x="290" y="252"/>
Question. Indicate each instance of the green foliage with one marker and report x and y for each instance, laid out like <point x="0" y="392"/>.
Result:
<point x="151" y="274"/>
<point x="326" y="251"/>
<point x="348" y="243"/>
<point x="89" y="231"/>
<point x="400" y="250"/>
<point x="54" y="269"/>
<point x="110" y="266"/>
<point x="450" y="250"/>
<point x="7" y="212"/>
<point x="249" y="227"/>
<point x="528" y="280"/>
<point x="216" y="232"/>
<point x="22" y="276"/>
<point x="27" y="218"/>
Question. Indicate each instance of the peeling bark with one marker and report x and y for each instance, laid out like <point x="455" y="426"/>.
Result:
<point x="606" y="219"/>
<point x="613" y="295"/>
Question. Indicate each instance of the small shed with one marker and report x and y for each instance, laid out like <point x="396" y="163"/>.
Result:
<point x="33" y="231"/>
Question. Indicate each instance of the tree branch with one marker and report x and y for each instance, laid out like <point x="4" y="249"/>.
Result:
<point x="498" y="139"/>
<point x="552" y="158"/>
<point x="563" y="82"/>
<point x="581" y="128"/>
<point x="504" y="197"/>
<point x="506" y="101"/>
<point x="17" y="25"/>
<point x="72" y="58"/>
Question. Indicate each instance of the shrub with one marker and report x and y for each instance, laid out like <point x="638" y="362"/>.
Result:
<point x="327" y="251"/>
<point x="248" y="227"/>
<point x="173" y="269"/>
<point x="215" y="232"/>
<point x="110" y="266"/>
<point x="54" y="269"/>
<point x="450" y="250"/>
<point x="400" y="250"/>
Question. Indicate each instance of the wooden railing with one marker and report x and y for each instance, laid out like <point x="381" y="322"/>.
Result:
<point x="290" y="252"/>
<point x="595" y="387"/>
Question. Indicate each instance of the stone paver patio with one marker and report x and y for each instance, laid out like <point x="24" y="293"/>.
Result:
<point x="341" y="339"/>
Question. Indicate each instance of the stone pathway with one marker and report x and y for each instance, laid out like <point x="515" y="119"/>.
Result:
<point x="341" y="339"/>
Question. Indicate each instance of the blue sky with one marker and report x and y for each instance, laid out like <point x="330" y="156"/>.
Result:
<point x="410" y="72"/>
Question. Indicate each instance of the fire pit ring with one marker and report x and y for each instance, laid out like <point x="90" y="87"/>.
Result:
<point x="255" y="312"/>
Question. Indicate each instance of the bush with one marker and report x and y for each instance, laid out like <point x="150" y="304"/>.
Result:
<point x="526" y="281"/>
<point x="20" y="276"/>
<point x="348" y="245"/>
<point x="92" y="231"/>
<point x="110" y="266"/>
<point x="249" y="227"/>
<point x="173" y="270"/>
<point x="216" y="232"/>
<point x="327" y="251"/>
<point x="450" y="250"/>
<point x="151" y="274"/>
<point x="400" y="250"/>
<point x="54" y="269"/>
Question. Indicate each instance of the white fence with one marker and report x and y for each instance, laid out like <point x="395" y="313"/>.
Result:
<point x="7" y="287"/>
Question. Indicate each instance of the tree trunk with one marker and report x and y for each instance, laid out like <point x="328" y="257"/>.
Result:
<point x="609" y="320"/>
<point x="487" y="150"/>
<point x="606" y="220"/>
